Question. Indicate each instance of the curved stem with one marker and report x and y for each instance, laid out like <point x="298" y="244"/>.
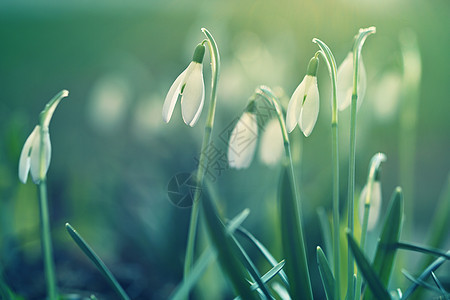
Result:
<point x="305" y="285"/>
<point x="332" y="69"/>
<point x="203" y="163"/>
<point x="359" y="42"/>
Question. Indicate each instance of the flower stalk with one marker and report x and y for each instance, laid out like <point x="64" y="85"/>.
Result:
<point x="294" y="248"/>
<point x="359" y="42"/>
<point x="202" y="166"/>
<point x="332" y="70"/>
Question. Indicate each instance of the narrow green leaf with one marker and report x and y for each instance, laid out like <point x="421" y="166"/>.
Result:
<point x="97" y="261"/>
<point x="420" y="282"/>
<point x="197" y="271"/>
<point x="386" y="250"/>
<point x="292" y="239"/>
<point x="228" y="254"/>
<point x="368" y="272"/>
<point x="422" y="249"/>
<point x="326" y="274"/>
<point x="326" y="231"/>
<point x="263" y="250"/>
<point x="425" y="274"/>
<point x="439" y="285"/>
<point x="210" y="254"/>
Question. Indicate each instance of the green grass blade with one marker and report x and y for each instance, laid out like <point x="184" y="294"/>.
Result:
<point x="227" y="250"/>
<point x="326" y="232"/>
<point x="420" y="282"/>
<point x="421" y="249"/>
<point x="292" y="240"/>
<point x="199" y="268"/>
<point x="251" y="268"/>
<point x="368" y="272"/>
<point x="263" y="250"/>
<point x="386" y="250"/>
<point x="97" y="261"/>
<point x="326" y="274"/>
<point x="439" y="285"/>
<point x="197" y="271"/>
<point x="425" y="274"/>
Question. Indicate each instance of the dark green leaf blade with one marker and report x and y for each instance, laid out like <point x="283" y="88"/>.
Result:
<point x="326" y="274"/>
<point x="368" y="272"/>
<point x="390" y="235"/>
<point x="97" y="261"/>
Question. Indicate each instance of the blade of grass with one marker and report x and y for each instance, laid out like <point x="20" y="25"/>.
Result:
<point x="426" y="250"/>
<point x="439" y="285"/>
<point x="209" y="255"/>
<point x="328" y="280"/>
<point x="420" y="282"/>
<point x="368" y="272"/>
<point x="326" y="231"/>
<point x="386" y="250"/>
<point x="97" y="261"/>
<point x="263" y="250"/>
<point x="227" y="250"/>
<point x="425" y="274"/>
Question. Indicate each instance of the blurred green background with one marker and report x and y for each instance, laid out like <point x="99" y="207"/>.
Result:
<point x="113" y="156"/>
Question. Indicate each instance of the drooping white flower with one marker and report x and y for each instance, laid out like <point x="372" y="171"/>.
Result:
<point x="271" y="147"/>
<point x="375" y="204"/>
<point x="30" y="157"/>
<point x="345" y="82"/>
<point x="243" y="140"/>
<point x="303" y="108"/>
<point x="189" y="84"/>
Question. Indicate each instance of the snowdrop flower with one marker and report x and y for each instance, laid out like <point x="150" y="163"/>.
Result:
<point x="303" y="107"/>
<point x="189" y="84"/>
<point x="345" y="82"/>
<point x="271" y="148"/>
<point x="37" y="144"/>
<point x="375" y="204"/>
<point x="243" y="140"/>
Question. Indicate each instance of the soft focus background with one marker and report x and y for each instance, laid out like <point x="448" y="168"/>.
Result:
<point x="113" y="156"/>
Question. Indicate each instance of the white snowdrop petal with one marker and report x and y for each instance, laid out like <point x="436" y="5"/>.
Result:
<point x="243" y="140"/>
<point x="34" y="156"/>
<point x="193" y="96"/>
<point x="375" y="205"/>
<point x="345" y="82"/>
<point x="294" y="106"/>
<point x="310" y="110"/>
<point x="172" y="96"/>
<point x="362" y="82"/>
<point x="271" y="147"/>
<point x="24" y="161"/>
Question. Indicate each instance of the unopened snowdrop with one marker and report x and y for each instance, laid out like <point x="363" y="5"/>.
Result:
<point x="303" y="108"/>
<point x="189" y="84"/>
<point x="36" y="152"/>
<point x="345" y="82"/>
<point x="271" y="148"/>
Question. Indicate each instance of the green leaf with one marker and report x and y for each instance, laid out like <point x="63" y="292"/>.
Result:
<point x="420" y="282"/>
<point x="386" y="250"/>
<point x="326" y="231"/>
<point x="439" y="285"/>
<point x="196" y="273"/>
<point x="97" y="261"/>
<point x="368" y="272"/>
<point x="263" y="250"/>
<point x="421" y="249"/>
<point x="292" y="239"/>
<point x="425" y="274"/>
<point x="226" y="248"/>
<point x="326" y="274"/>
<point x="199" y="268"/>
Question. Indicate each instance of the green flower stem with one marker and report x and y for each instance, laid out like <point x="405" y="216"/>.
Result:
<point x="46" y="240"/>
<point x="332" y="69"/>
<point x="359" y="42"/>
<point x="215" y="68"/>
<point x="305" y="285"/>
<point x="373" y="171"/>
